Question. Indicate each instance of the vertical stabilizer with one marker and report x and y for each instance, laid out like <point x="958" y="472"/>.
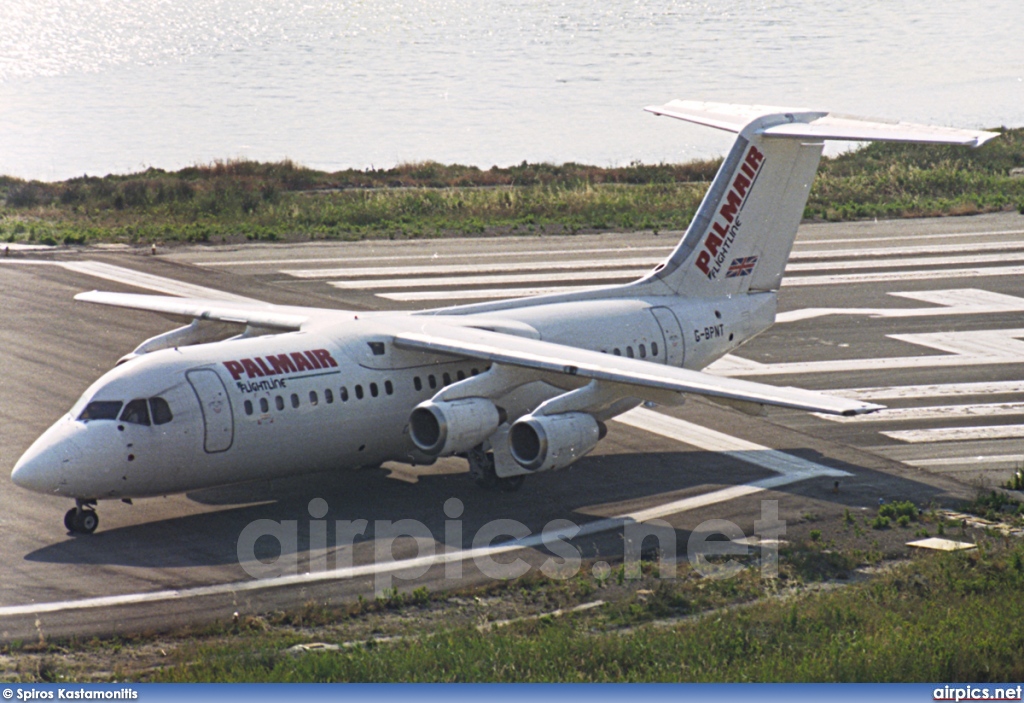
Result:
<point x="741" y="236"/>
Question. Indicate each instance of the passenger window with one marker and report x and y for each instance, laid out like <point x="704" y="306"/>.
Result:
<point x="654" y="348"/>
<point x="136" y="413"/>
<point x="329" y="396"/>
<point x="160" y="411"/>
<point x="432" y="381"/>
<point x="344" y="394"/>
<point x="248" y="407"/>
<point x="473" y="372"/>
<point x="295" y="400"/>
<point x="417" y="383"/>
<point x="629" y="352"/>
<point x="313" y="400"/>
<point x="447" y="378"/>
<point x="460" y="375"/>
<point x="373" y="389"/>
<point x="643" y="351"/>
<point x="279" y="402"/>
<point x="264" y="405"/>
<point x="388" y="387"/>
<point x="616" y="352"/>
<point x="359" y="392"/>
<point x="101" y="410"/>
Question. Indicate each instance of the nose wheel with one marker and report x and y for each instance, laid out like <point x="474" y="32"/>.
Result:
<point x="81" y="519"/>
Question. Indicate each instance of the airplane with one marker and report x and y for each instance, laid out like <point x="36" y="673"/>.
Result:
<point x="516" y="387"/>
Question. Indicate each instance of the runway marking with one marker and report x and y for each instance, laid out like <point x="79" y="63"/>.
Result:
<point x="791" y="469"/>
<point x="1007" y="461"/>
<point x="957" y="434"/>
<point x="401" y="271"/>
<point x="956" y="301"/>
<point x="935" y="274"/>
<point x="931" y="412"/>
<point x="973" y="348"/>
<point x="947" y="235"/>
<point x="138" y="279"/>
<point x="436" y="256"/>
<point x="393" y="283"/>
<point x="937" y="390"/>
<point x="906" y="251"/>
<point x="1002" y="257"/>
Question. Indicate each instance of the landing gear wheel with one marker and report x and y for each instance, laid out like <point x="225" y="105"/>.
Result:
<point x="81" y="519"/>
<point x="86" y="521"/>
<point x="481" y="466"/>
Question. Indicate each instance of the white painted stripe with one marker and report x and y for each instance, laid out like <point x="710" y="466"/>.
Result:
<point x="958" y="434"/>
<point x="482" y="294"/>
<point x="1002" y="460"/>
<point x="478" y="268"/>
<point x="906" y="251"/>
<point x="1004" y="257"/>
<point x="393" y="283"/>
<point x="861" y="240"/>
<point x="956" y="301"/>
<point x="931" y="412"/>
<point x="138" y="279"/>
<point x="437" y="256"/>
<point x="148" y="281"/>
<point x="937" y="274"/>
<point x="712" y="441"/>
<point x="973" y="348"/>
<point x="935" y="390"/>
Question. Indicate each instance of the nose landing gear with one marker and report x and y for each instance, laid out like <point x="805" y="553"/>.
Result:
<point x="82" y="519"/>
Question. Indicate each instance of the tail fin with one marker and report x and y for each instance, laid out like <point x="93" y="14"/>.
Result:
<point x="742" y="234"/>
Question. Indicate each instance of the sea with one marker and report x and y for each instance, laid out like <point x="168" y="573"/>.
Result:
<point x="115" y="86"/>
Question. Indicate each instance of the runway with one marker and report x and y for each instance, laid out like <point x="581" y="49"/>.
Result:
<point x="922" y="316"/>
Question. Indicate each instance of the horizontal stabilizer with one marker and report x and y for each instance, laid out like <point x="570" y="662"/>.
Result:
<point x="801" y="123"/>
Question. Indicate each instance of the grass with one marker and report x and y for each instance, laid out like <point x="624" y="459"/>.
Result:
<point x="245" y="200"/>
<point x="911" y="624"/>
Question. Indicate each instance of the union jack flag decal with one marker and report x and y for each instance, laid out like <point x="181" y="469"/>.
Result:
<point x="741" y="267"/>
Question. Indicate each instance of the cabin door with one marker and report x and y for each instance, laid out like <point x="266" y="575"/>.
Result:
<point x="218" y="422"/>
<point x="669" y="323"/>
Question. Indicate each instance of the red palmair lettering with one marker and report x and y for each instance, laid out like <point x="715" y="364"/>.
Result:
<point x="273" y="365"/>
<point x="741" y="183"/>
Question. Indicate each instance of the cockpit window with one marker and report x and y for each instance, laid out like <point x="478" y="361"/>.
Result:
<point x="101" y="410"/>
<point x="136" y="412"/>
<point x="161" y="411"/>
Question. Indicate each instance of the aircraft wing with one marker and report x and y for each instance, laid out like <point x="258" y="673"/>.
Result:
<point x="548" y="357"/>
<point x="255" y="314"/>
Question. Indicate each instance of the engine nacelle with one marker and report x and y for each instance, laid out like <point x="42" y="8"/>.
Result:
<point x="451" y="426"/>
<point x="545" y="442"/>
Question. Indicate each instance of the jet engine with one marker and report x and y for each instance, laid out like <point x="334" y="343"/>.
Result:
<point x="440" y="428"/>
<point x="545" y="442"/>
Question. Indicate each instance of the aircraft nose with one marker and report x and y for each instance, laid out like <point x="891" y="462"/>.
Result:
<point x="44" y="468"/>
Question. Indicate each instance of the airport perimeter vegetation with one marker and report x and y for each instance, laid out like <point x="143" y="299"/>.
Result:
<point x="237" y="201"/>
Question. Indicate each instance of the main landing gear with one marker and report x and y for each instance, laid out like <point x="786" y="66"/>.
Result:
<point x="82" y="519"/>
<point x="481" y="467"/>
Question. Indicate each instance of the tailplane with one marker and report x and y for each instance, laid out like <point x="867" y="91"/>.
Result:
<point x="740" y="238"/>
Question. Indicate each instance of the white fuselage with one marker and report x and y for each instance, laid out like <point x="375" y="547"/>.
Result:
<point x="336" y="396"/>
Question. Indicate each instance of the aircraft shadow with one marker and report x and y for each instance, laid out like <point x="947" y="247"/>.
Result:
<point x="593" y="488"/>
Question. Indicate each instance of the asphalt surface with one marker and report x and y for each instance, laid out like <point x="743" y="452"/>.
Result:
<point x="959" y="425"/>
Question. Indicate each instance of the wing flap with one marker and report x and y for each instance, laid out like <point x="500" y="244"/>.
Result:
<point x="640" y="375"/>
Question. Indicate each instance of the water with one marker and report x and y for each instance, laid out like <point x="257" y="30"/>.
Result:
<point x="100" y="86"/>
